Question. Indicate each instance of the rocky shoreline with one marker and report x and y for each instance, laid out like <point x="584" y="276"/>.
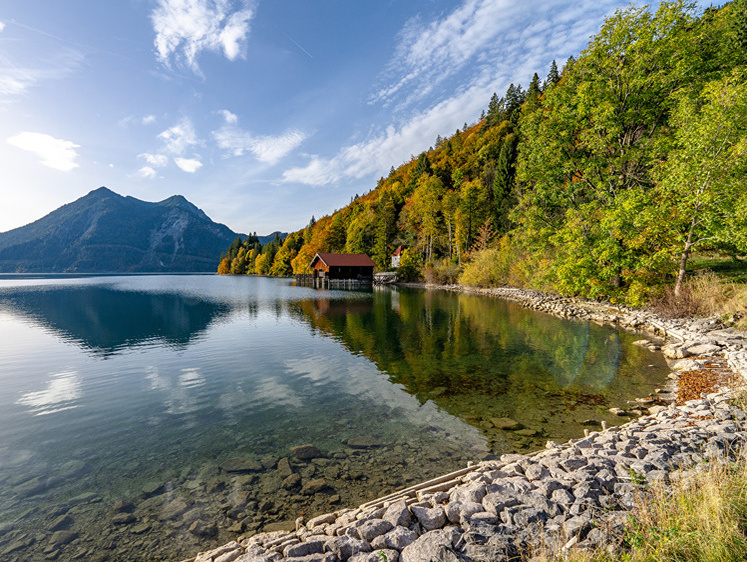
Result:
<point x="572" y="495"/>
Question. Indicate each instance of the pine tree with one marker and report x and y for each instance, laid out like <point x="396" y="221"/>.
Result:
<point x="553" y="77"/>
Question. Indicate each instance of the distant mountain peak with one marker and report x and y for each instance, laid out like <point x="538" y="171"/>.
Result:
<point x="103" y="191"/>
<point x="106" y="232"/>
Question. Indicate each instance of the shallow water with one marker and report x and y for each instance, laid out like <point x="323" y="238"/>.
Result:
<point x="122" y="396"/>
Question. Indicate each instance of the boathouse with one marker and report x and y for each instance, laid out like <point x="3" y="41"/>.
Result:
<point x="342" y="266"/>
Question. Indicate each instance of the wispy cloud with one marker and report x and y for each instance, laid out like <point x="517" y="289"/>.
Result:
<point x="378" y="153"/>
<point x="54" y="153"/>
<point x="477" y="35"/>
<point x="17" y="79"/>
<point x="2" y="26"/>
<point x="268" y="149"/>
<point x="190" y="165"/>
<point x="149" y="119"/>
<point x="185" y="28"/>
<point x="483" y="46"/>
<point x="180" y="137"/>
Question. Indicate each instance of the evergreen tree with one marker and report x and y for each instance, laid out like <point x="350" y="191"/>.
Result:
<point x="535" y="89"/>
<point x="553" y="77"/>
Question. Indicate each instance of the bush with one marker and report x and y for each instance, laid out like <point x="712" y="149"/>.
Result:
<point x="442" y="273"/>
<point x="410" y="265"/>
<point x="502" y="265"/>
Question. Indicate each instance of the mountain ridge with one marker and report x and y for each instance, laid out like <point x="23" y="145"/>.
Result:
<point x="104" y="231"/>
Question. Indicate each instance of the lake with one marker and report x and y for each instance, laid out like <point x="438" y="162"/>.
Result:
<point x="150" y="417"/>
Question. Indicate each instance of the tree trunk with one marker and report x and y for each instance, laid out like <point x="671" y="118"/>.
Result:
<point x="683" y="261"/>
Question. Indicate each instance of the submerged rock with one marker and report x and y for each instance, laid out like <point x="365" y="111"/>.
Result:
<point x="238" y="464"/>
<point x="305" y="452"/>
<point x="506" y="424"/>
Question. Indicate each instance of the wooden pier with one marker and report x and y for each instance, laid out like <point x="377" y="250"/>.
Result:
<point x="309" y="280"/>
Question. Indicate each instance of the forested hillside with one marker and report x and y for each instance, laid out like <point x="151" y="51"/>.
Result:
<point x="599" y="180"/>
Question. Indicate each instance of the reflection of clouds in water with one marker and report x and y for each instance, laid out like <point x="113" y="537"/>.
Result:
<point x="356" y="376"/>
<point x="272" y="391"/>
<point x="61" y="393"/>
<point x="179" y="399"/>
<point x="191" y="378"/>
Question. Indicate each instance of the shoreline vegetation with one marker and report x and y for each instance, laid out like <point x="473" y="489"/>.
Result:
<point x="615" y="177"/>
<point x="673" y="488"/>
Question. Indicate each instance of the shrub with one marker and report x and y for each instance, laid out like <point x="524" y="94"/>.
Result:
<point x="442" y="273"/>
<point x="410" y="265"/>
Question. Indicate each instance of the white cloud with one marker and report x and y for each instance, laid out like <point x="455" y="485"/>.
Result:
<point x="16" y="79"/>
<point x="147" y="172"/>
<point x="54" y="153"/>
<point x="269" y="149"/>
<point x="188" y="164"/>
<point x="179" y="137"/>
<point x="157" y="160"/>
<point x="2" y="26"/>
<point x="231" y="118"/>
<point x="185" y="28"/>
<point x="148" y="119"/>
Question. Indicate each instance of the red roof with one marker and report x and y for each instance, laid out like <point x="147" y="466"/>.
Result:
<point x="398" y="251"/>
<point x="344" y="260"/>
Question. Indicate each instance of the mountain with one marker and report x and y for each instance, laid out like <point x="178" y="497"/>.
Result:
<point x="106" y="232"/>
<point x="270" y="237"/>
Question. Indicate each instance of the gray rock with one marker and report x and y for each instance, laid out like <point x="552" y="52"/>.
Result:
<point x="373" y="528"/>
<point x="429" y="518"/>
<point x="455" y="510"/>
<point x="397" y="514"/>
<point x="497" y="502"/>
<point x="398" y="539"/>
<point x="345" y="546"/>
<point x="304" y="549"/>
<point x="470" y="493"/>
<point x="432" y="546"/>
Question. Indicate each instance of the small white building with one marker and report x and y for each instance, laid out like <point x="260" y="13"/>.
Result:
<point x="396" y="256"/>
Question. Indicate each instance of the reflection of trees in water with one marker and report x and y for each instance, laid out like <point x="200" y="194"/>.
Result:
<point x="105" y="320"/>
<point x="465" y="344"/>
<point x="479" y="358"/>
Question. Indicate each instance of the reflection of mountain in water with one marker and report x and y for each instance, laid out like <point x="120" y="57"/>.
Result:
<point x="106" y="320"/>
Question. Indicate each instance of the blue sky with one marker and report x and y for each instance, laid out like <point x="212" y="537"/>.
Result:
<point x="261" y="112"/>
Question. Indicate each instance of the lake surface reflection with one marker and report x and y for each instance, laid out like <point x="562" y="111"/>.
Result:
<point x="149" y="417"/>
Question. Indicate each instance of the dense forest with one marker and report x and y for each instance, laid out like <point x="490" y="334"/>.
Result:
<point x="600" y="180"/>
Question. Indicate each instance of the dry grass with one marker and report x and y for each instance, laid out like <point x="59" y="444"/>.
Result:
<point x="700" y="518"/>
<point x="706" y="294"/>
